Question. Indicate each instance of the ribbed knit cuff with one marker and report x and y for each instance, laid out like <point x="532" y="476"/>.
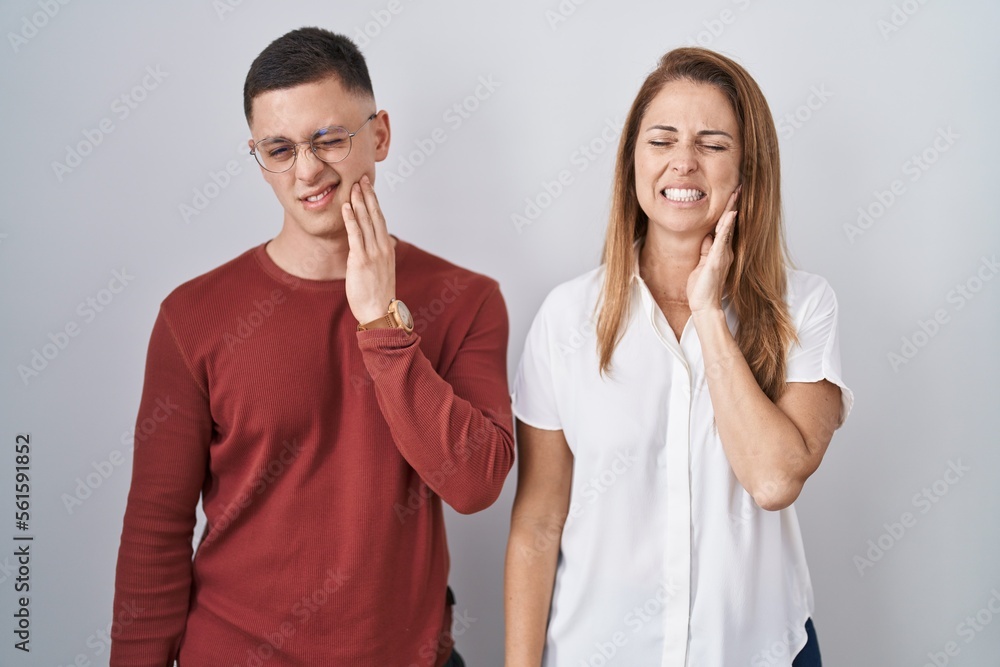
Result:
<point x="385" y="339"/>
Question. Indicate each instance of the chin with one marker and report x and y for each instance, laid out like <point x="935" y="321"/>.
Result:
<point x="684" y="226"/>
<point x="325" y="227"/>
<point x="330" y="230"/>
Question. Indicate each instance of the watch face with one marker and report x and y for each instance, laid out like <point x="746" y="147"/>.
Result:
<point x="404" y="314"/>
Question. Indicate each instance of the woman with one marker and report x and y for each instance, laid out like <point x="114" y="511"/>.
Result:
<point x="672" y="403"/>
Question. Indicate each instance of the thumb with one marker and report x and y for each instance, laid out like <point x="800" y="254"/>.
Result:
<point x="706" y="245"/>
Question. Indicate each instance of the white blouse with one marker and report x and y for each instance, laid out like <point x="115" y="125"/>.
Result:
<point x="665" y="559"/>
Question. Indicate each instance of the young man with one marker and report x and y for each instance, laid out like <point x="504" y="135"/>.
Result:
<point x="320" y="424"/>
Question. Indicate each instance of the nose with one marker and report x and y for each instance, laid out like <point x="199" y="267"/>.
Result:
<point x="684" y="160"/>
<point x="307" y="165"/>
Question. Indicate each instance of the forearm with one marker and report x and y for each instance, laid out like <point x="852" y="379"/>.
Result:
<point x="462" y="448"/>
<point x="767" y="452"/>
<point x="153" y="575"/>
<point x="529" y="577"/>
<point x="152" y="591"/>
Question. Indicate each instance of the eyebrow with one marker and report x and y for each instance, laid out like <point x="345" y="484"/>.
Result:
<point x="670" y="128"/>
<point x="313" y="135"/>
<point x="279" y="137"/>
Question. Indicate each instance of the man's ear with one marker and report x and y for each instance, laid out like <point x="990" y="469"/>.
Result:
<point x="382" y="133"/>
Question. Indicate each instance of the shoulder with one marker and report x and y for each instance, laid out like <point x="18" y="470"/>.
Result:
<point x="221" y="278"/>
<point x="211" y="288"/>
<point x="435" y="273"/>
<point x="570" y="308"/>
<point x="446" y="299"/>
<point x="808" y="294"/>
<point x="579" y="294"/>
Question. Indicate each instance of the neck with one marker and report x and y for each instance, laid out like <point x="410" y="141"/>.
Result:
<point x="310" y="257"/>
<point x="666" y="262"/>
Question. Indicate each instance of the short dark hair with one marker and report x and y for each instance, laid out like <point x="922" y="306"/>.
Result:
<point x="302" y="56"/>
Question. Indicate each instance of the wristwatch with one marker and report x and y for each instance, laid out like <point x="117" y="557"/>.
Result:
<point x="398" y="317"/>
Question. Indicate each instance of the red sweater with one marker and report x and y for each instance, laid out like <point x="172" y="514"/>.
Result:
<point x="321" y="454"/>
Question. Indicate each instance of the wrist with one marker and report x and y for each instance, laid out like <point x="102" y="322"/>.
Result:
<point x="711" y="324"/>
<point x="372" y="312"/>
<point x="395" y="316"/>
<point x="708" y="313"/>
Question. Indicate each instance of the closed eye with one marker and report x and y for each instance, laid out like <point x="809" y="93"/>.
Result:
<point x="711" y="147"/>
<point x="280" y="151"/>
<point x="329" y="143"/>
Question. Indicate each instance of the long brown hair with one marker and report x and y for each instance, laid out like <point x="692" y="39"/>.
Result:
<point x="756" y="280"/>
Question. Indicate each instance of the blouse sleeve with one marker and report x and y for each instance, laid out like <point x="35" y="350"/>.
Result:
<point x="533" y="396"/>
<point x="817" y="355"/>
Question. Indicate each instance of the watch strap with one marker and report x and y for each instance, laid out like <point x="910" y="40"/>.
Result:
<point x="384" y="322"/>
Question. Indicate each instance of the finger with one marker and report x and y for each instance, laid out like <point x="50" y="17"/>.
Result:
<point x="730" y="208"/>
<point x="363" y="217"/>
<point x="723" y="237"/>
<point x="728" y="229"/>
<point x="355" y="240"/>
<point x="731" y="204"/>
<point x="706" y="247"/>
<point x="378" y="220"/>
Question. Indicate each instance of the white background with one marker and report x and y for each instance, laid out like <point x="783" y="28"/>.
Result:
<point x="883" y="82"/>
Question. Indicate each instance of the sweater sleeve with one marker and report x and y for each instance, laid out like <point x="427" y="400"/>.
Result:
<point x="454" y="429"/>
<point x="153" y="577"/>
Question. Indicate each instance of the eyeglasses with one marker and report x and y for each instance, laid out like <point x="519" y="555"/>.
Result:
<point x="329" y="144"/>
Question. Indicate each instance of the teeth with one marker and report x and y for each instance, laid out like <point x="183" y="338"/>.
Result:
<point x="678" y="194"/>
<point x="320" y="195"/>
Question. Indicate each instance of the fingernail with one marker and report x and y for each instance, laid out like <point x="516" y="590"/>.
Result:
<point x="364" y="177"/>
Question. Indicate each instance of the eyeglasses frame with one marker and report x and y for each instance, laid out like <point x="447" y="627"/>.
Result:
<point x="312" y="147"/>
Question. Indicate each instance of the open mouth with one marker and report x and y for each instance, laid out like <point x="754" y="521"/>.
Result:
<point x="319" y="196"/>
<point x="683" y="194"/>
